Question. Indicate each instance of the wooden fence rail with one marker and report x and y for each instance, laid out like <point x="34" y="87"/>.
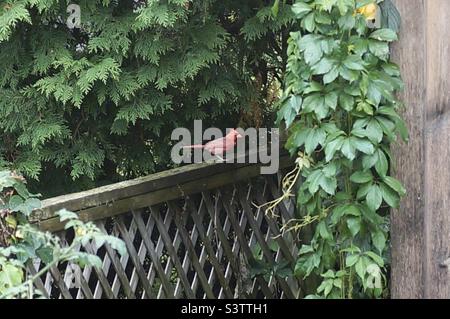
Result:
<point x="191" y="232"/>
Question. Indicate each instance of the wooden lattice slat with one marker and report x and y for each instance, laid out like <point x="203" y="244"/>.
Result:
<point x="189" y="234"/>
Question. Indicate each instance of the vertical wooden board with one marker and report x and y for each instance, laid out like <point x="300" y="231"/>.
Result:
<point x="437" y="145"/>
<point x="421" y="228"/>
<point x="408" y="222"/>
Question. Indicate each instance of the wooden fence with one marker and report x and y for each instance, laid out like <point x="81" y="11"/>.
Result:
<point x="194" y="238"/>
<point x="192" y="232"/>
<point x="421" y="228"/>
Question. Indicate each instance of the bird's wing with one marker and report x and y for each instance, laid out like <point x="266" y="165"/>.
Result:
<point x="220" y="142"/>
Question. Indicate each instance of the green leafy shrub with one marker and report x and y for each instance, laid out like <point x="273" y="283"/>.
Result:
<point x="20" y="242"/>
<point x="340" y="109"/>
<point x="99" y="103"/>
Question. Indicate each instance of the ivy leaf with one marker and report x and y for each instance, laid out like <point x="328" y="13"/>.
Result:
<point x="369" y="161"/>
<point x="290" y="110"/>
<point x="313" y="53"/>
<point x="311" y="102"/>
<point x="300" y="9"/>
<point x="393" y="70"/>
<point x="402" y="129"/>
<point x="337" y="214"/>
<point x="309" y="23"/>
<point x="379" y="240"/>
<point x="354" y="62"/>
<point x="361" y="177"/>
<point x="22" y="190"/>
<point x="363" y="146"/>
<point x="395" y="185"/>
<point x="374" y="198"/>
<point x="332" y="147"/>
<point x="322" y="67"/>
<point x="351" y="260"/>
<point x="328" y="184"/>
<point x="330" y="170"/>
<point x="348" y="149"/>
<point x="377" y="259"/>
<point x="306" y="249"/>
<point x="331" y="100"/>
<point x="363" y="190"/>
<point x="384" y="35"/>
<point x="306" y="264"/>
<point x="316" y="103"/>
<point x="314" y="180"/>
<point x="349" y="75"/>
<point x="347" y="102"/>
<point x="347" y="22"/>
<point x="331" y="75"/>
<point x="379" y="49"/>
<point x="326" y="286"/>
<point x="323" y="231"/>
<point x="314" y="138"/>
<point x="360" y="268"/>
<point x="344" y="6"/>
<point x="374" y="132"/>
<point x="354" y="225"/>
<point x="389" y="196"/>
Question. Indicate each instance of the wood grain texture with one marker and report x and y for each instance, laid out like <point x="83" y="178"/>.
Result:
<point x="420" y="228"/>
<point x="437" y="150"/>
<point x="143" y="185"/>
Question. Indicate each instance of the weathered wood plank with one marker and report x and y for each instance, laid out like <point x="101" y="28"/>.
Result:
<point x="173" y="254"/>
<point x="221" y="231"/>
<point x="268" y="254"/>
<point x="153" y="198"/>
<point x="134" y="257"/>
<point x="103" y="283"/>
<point x="421" y="227"/>
<point x="132" y="188"/>
<point x="54" y="271"/>
<point x="211" y="254"/>
<point x="121" y="276"/>
<point x="227" y="204"/>
<point x="437" y="150"/>
<point x="191" y="250"/>
<point x="408" y="223"/>
<point x="167" y="286"/>
<point x="39" y="284"/>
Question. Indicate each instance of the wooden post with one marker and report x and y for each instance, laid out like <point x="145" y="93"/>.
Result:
<point x="421" y="227"/>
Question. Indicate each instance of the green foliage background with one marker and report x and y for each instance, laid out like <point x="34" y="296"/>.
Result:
<point x="342" y="114"/>
<point x="94" y="105"/>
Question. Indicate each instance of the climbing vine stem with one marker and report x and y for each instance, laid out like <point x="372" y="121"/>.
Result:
<point x="341" y="113"/>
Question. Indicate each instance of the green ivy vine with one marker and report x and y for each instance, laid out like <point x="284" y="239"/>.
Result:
<point x="340" y="109"/>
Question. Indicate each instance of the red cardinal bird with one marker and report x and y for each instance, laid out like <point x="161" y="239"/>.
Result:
<point x="219" y="146"/>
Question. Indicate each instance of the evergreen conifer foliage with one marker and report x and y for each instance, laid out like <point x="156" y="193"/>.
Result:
<point x="98" y="103"/>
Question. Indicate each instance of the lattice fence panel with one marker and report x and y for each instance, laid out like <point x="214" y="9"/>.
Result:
<point x="205" y="245"/>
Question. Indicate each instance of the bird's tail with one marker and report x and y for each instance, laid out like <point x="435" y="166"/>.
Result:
<point x="198" y="146"/>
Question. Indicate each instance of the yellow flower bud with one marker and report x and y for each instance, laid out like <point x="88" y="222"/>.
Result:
<point x="369" y="11"/>
<point x="80" y="232"/>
